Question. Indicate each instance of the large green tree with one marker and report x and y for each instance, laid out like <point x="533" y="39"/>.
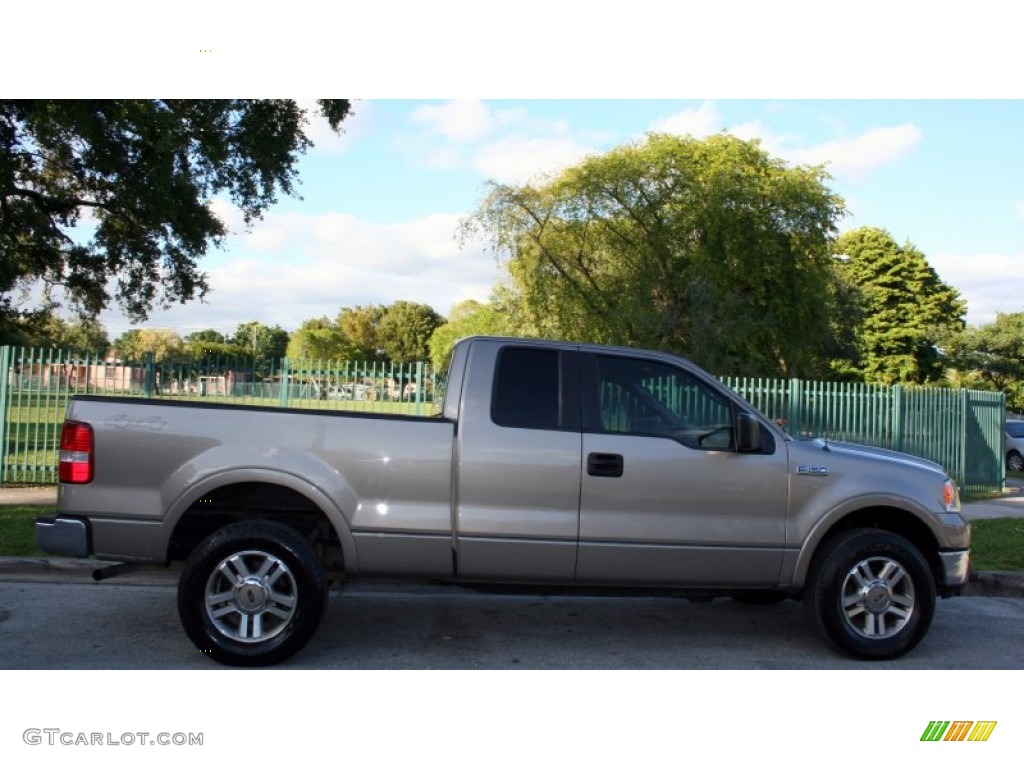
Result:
<point x="405" y="331"/>
<point x="905" y="309"/>
<point x="264" y="344"/>
<point x="110" y="200"/>
<point x="320" y="339"/>
<point x="709" y="248"/>
<point x="361" y="326"/>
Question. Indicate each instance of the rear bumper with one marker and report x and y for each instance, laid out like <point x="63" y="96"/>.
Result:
<point x="60" y="535"/>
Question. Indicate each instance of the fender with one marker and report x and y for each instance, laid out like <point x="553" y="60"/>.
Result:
<point x="308" y="484"/>
<point x="800" y="560"/>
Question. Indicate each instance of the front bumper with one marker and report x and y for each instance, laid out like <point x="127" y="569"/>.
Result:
<point x="955" y="568"/>
<point x="63" y="535"/>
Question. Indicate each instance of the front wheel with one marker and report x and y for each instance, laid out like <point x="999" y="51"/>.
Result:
<point x="252" y="594"/>
<point x="871" y="594"/>
<point x="1014" y="462"/>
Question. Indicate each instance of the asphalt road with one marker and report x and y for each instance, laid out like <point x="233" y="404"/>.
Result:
<point x="114" y="626"/>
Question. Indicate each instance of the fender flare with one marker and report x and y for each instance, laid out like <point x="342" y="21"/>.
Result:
<point x="266" y="476"/>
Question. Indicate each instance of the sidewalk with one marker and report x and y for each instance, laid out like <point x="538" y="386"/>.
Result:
<point x="982" y="583"/>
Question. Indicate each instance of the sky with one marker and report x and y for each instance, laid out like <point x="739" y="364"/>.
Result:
<point x="380" y="206"/>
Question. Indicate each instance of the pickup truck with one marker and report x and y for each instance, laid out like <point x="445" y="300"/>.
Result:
<point x="550" y="463"/>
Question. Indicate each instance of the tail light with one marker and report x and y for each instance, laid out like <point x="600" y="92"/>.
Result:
<point x="76" y="453"/>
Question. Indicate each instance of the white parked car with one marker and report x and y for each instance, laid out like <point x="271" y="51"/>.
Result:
<point x="1015" y="445"/>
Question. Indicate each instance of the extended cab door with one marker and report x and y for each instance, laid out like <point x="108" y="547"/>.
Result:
<point x="666" y="496"/>
<point x="518" y="463"/>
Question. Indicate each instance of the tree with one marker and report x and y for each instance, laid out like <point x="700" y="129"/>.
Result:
<point x="110" y="200"/>
<point x="262" y="343"/>
<point x="468" y="318"/>
<point x="211" y="346"/>
<point x="361" y="326"/>
<point x="46" y="328"/>
<point x="992" y="355"/>
<point x="320" y="339"/>
<point x="165" y="345"/>
<point x="708" y="248"/>
<point x="905" y="309"/>
<point x="405" y="331"/>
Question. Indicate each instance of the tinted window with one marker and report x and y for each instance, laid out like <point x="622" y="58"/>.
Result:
<point x="643" y="397"/>
<point x="1015" y="428"/>
<point x="526" y="389"/>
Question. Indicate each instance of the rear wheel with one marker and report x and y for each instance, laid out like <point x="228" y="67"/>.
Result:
<point x="871" y="594"/>
<point x="252" y="594"/>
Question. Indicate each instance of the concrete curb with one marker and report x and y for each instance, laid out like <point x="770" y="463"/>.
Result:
<point x="80" y="571"/>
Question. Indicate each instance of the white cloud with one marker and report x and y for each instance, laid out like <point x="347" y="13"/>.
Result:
<point x="518" y="159"/>
<point x="699" y="122"/>
<point x="298" y="267"/>
<point x="461" y="122"/>
<point x="855" y="158"/>
<point x="1020" y="208"/>
<point x="990" y="282"/>
<point x="849" y="159"/>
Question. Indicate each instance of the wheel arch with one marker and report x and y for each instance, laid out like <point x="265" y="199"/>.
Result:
<point x="880" y="517"/>
<point x="226" y="498"/>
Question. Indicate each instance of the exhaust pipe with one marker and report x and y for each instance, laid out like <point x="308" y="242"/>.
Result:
<point x="110" y="571"/>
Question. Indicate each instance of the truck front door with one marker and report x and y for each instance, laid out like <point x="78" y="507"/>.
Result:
<point x="666" y="497"/>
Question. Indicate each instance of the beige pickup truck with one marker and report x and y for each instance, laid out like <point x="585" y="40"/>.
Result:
<point x="548" y="464"/>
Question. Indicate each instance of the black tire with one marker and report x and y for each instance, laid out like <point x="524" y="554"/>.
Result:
<point x="252" y="594"/>
<point x="1014" y="462"/>
<point x="759" y="597"/>
<point x="871" y="594"/>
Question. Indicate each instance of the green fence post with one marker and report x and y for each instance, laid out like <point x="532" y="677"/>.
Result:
<point x="5" y="374"/>
<point x="896" y="393"/>
<point x="284" y="382"/>
<point x="795" y="406"/>
<point x="148" y="375"/>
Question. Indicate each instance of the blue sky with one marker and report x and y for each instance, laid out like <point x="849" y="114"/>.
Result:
<point x="381" y="203"/>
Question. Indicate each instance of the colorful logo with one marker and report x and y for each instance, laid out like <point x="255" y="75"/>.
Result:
<point x="959" y="730"/>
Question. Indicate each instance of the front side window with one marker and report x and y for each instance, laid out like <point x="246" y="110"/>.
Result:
<point x="644" y="397"/>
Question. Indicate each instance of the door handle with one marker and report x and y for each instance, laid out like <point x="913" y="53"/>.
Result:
<point x="605" y="465"/>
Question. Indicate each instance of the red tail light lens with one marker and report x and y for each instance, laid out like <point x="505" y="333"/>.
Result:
<point x="76" y="453"/>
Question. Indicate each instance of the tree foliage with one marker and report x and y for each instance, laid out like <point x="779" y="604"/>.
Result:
<point x="405" y="330"/>
<point x="993" y="356"/>
<point x="165" y="345"/>
<point x="264" y="344"/>
<point x="321" y="339"/>
<point x="110" y="200"/>
<point x="361" y="326"/>
<point x="468" y="318"/>
<point x="709" y="248"/>
<point x="904" y="309"/>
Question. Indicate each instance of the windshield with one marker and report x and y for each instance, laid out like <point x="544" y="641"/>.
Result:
<point x="1015" y="428"/>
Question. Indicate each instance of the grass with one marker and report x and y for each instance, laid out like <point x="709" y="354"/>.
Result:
<point x="18" y="532"/>
<point x="998" y="545"/>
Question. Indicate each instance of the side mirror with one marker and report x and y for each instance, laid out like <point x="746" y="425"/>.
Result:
<point x="748" y="433"/>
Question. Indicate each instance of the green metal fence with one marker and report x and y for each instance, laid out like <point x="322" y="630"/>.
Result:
<point x="36" y="384"/>
<point x="960" y="429"/>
